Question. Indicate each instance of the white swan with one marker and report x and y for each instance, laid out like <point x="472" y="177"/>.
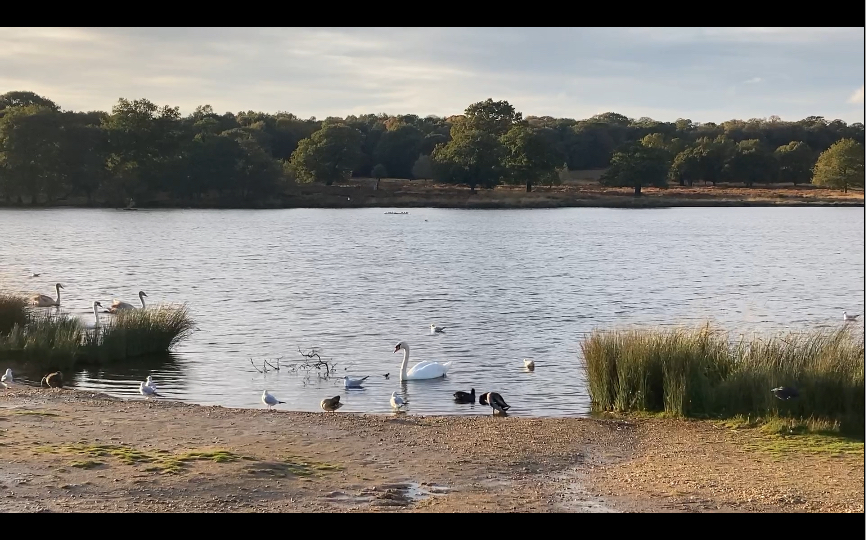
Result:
<point x="421" y="370"/>
<point x="119" y="305"/>
<point x="95" y="324"/>
<point x="40" y="300"/>
<point x="846" y="317"/>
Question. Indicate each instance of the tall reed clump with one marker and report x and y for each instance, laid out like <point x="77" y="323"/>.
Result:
<point x="13" y="310"/>
<point x="702" y="372"/>
<point x="51" y="339"/>
<point x="139" y="332"/>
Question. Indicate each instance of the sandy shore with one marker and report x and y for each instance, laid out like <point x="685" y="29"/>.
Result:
<point x="65" y="450"/>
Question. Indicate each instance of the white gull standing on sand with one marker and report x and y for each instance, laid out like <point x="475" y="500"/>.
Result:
<point x="269" y="400"/>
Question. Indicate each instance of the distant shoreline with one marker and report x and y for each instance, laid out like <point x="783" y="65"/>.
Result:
<point x="405" y="194"/>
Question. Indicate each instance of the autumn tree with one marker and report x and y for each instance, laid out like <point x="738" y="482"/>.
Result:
<point x="840" y="166"/>
<point x="328" y="155"/>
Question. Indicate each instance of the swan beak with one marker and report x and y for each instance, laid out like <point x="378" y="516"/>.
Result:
<point x="397" y="348"/>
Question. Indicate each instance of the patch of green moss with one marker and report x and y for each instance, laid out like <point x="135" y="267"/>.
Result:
<point x="86" y="464"/>
<point x="293" y="466"/>
<point x="162" y="460"/>
<point x="778" y="436"/>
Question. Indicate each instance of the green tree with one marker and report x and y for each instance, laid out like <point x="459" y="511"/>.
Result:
<point x="328" y="155"/>
<point x="636" y="166"/>
<point x="493" y="117"/>
<point x="528" y="157"/>
<point x="840" y="166"/>
<point x="687" y="166"/>
<point x="30" y="152"/>
<point x="472" y="157"/>
<point x="24" y="99"/>
<point x="752" y="163"/>
<point x="423" y="167"/>
<point x="378" y="172"/>
<point x="795" y="162"/>
<point x="396" y="150"/>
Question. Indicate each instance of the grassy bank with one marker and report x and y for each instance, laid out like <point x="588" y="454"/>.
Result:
<point x="396" y="193"/>
<point x="58" y="341"/>
<point x="701" y="372"/>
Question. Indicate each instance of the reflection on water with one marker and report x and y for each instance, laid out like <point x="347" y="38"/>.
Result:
<point x="506" y="284"/>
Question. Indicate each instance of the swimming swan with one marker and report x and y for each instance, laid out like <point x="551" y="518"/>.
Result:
<point x="421" y="370"/>
<point x="40" y="300"/>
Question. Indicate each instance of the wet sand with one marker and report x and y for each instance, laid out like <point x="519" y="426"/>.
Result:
<point x="67" y="451"/>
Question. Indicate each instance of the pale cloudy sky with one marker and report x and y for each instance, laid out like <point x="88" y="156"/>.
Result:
<point x="705" y="74"/>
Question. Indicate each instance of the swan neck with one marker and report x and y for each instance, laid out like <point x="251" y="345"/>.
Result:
<point x="58" y="294"/>
<point x="96" y="314"/>
<point x="141" y="297"/>
<point x="405" y="363"/>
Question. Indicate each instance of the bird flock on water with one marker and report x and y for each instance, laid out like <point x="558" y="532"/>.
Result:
<point x="420" y="371"/>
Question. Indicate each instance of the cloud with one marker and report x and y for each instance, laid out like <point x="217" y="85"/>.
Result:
<point x="857" y="97"/>
<point x="565" y="72"/>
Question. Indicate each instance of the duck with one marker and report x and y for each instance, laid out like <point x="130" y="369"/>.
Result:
<point x="495" y="401"/>
<point x="331" y="404"/>
<point x="52" y="380"/>
<point x="785" y="393"/>
<point x="529" y="364"/>
<point x="465" y="397"/>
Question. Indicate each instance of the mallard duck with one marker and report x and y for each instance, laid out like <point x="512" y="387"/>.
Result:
<point x="495" y="401"/>
<point x="52" y="380"/>
<point x="331" y="404"/>
<point x="465" y="397"/>
<point x="785" y="393"/>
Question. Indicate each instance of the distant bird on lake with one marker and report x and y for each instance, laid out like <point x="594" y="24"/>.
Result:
<point x="846" y="317"/>
<point x="119" y="305"/>
<point x="331" y="404"/>
<point x="52" y="380"/>
<point x="353" y="383"/>
<point x="785" y="393"/>
<point x="397" y="402"/>
<point x="465" y="397"/>
<point x="267" y="399"/>
<point x="495" y="401"/>
<point x="41" y="300"/>
<point x="35" y="275"/>
<point x="529" y="364"/>
<point x="147" y="391"/>
<point x="436" y="329"/>
<point x="386" y="375"/>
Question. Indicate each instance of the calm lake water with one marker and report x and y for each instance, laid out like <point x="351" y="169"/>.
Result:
<point x="507" y="284"/>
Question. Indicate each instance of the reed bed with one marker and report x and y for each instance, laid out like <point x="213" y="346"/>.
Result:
<point x="13" y="310"/>
<point x="139" y="332"/>
<point x="57" y="340"/>
<point x="702" y="372"/>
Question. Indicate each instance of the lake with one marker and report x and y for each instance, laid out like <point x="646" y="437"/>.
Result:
<point x="506" y="284"/>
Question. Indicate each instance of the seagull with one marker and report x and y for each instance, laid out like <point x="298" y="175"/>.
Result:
<point x="7" y="377"/>
<point x="35" y="275"/>
<point x="331" y="404"/>
<point x="149" y="383"/>
<point x="495" y="401"/>
<point x="529" y="364"/>
<point x="437" y="329"/>
<point x="52" y="380"/>
<point x="785" y="393"/>
<point x="397" y="402"/>
<point x="353" y="383"/>
<point x="147" y="391"/>
<point x="846" y="317"/>
<point x="269" y="400"/>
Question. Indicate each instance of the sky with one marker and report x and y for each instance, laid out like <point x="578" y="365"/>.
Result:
<point x="704" y="74"/>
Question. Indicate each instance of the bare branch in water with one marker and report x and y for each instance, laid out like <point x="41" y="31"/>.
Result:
<point x="254" y="366"/>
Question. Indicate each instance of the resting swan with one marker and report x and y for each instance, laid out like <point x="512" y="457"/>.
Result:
<point x="40" y="300"/>
<point x="119" y="305"/>
<point x="421" y="370"/>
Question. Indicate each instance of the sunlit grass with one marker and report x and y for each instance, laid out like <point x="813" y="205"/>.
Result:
<point x="140" y="332"/>
<point x="701" y="372"/>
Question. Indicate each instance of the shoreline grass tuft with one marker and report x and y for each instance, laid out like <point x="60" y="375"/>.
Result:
<point x="139" y="332"/>
<point x="702" y="372"/>
<point x="13" y="312"/>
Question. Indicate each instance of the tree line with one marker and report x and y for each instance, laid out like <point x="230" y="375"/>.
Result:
<point x="140" y="149"/>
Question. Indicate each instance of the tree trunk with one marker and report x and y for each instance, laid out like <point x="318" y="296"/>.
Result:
<point x="528" y="186"/>
<point x="472" y="189"/>
<point x="637" y="190"/>
<point x="376" y="188"/>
